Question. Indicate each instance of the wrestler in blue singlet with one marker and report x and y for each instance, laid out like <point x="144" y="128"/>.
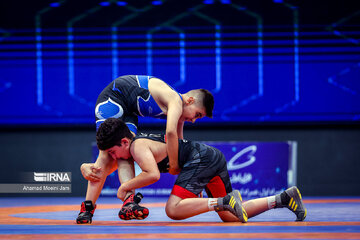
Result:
<point x="126" y="98"/>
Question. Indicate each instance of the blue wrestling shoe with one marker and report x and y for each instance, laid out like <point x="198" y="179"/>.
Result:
<point x="232" y="203"/>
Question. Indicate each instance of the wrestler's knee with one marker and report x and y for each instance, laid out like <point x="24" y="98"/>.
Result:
<point x="172" y="211"/>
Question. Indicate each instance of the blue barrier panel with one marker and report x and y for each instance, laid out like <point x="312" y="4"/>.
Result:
<point x="257" y="169"/>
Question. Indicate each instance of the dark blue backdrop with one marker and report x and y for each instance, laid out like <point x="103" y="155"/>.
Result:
<point x="264" y="61"/>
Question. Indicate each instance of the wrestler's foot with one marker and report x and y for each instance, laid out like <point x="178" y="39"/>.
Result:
<point x="86" y="212"/>
<point x="232" y="203"/>
<point x="131" y="208"/>
<point x="291" y="198"/>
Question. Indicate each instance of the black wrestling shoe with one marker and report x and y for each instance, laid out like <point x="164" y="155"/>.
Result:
<point x="132" y="210"/>
<point x="293" y="201"/>
<point x="86" y="212"/>
<point x="232" y="203"/>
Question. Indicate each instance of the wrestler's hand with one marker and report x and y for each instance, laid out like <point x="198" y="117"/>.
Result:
<point x="174" y="170"/>
<point x="121" y="194"/>
<point x="90" y="172"/>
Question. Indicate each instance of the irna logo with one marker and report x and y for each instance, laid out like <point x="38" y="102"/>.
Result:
<point x="52" y="177"/>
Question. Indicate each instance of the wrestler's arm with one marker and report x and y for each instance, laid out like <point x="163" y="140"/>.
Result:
<point x="172" y="137"/>
<point x="180" y="129"/>
<point x="170" y="100"/>
<point x="145" y="159"/>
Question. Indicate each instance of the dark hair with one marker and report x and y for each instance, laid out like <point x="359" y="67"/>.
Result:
<point x="208" y="102"/>
<point x="110" y="133"/>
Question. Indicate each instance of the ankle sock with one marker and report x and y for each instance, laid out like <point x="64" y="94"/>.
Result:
<point x="211" y="203"/>
<point x="271" y="202"/>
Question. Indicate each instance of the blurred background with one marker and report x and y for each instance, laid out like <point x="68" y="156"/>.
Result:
<point x="280" y="70"/>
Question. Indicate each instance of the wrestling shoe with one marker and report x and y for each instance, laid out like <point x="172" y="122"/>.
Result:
<point x="86" y="212"/>
<point x="131" y="208"/>
<point x="291" y="198"/>
<point x="232" y="203"/>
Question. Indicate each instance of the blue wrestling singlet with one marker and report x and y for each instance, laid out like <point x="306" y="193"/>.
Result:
<point x="126" y="98"/>
<point x="147" y="107"/>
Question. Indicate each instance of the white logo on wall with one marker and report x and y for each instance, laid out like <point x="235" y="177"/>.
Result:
<point x="247" y="152"/>
<point x="52" y="177"/>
